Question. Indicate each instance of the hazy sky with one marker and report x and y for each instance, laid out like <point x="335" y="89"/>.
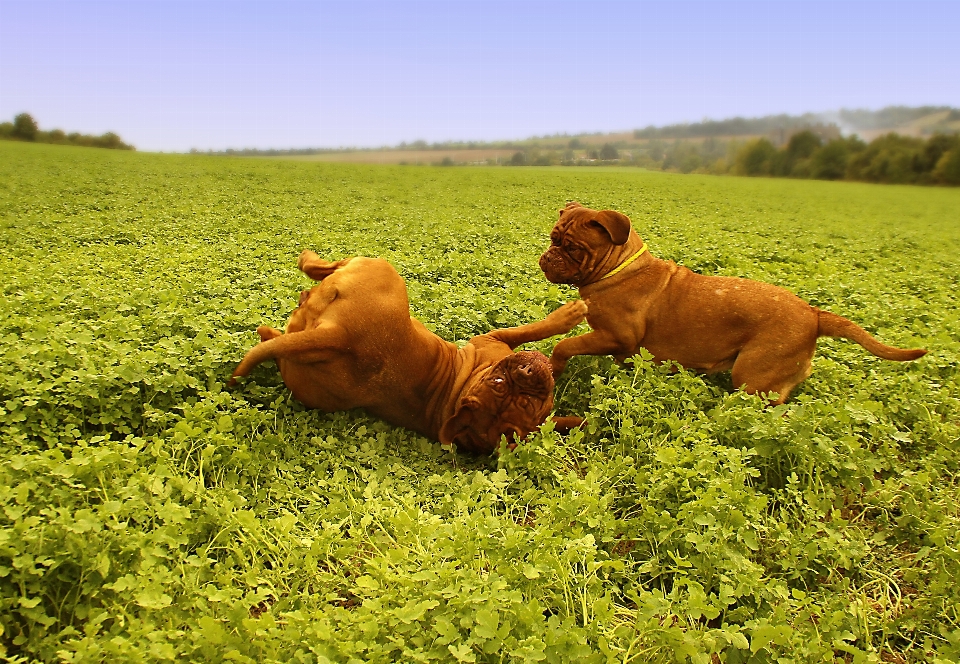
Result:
<point x="170" y="75"/>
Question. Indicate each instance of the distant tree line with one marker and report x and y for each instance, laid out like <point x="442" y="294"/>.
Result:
<point x="25" y="128"/>
<point x="890" y="158"/>
<point x="809" y="153"/>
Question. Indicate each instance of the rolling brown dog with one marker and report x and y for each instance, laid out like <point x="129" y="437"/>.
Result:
<point x="351" y="343"/>
<point x="765" y="334"/>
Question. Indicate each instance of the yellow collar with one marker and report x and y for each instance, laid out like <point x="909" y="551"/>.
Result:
<point x="624" y="263"/>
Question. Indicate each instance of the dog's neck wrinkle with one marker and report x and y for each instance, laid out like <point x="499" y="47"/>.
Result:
<point x="446" y="387"/>
<point x="426" y="374"/>
<point x="614" y="257"/>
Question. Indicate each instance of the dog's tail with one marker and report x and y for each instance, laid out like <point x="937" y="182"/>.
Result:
<point x="832" y="325"/>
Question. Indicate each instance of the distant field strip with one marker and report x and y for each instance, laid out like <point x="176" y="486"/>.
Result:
<point x="408" y="156"/>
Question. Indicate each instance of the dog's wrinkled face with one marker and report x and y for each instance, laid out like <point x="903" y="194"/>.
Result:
<point x="511" y="398"/>
<point x="580" y="242"/>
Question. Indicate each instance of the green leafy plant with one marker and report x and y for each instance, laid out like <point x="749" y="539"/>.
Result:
<point x="147" y="513"/>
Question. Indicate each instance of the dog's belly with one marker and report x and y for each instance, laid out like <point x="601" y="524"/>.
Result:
<point x="329" y="385"/>
<point x="391" y="393"/>
<point x="345" y="382"/>
<point x="708" y="357"/>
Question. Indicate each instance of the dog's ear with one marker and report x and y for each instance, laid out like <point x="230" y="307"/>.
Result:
<point x="570" y="206"/>
<point x="462" y="419"/>
<point x="617" y="225"/>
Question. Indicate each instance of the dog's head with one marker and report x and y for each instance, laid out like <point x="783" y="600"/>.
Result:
<point x="583" y="244"/>
<point x="510" y="398"/>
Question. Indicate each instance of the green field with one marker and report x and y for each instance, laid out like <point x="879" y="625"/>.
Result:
<point x="149" y="514"/>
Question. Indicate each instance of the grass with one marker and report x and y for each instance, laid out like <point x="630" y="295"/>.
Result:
<point x="146" y="513"/>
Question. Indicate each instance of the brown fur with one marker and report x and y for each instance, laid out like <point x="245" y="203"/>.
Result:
<point x="351" y="343"/>
<point x="764" y="334"/>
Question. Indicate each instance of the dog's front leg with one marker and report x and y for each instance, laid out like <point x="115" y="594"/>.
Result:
<point x="591" y="343"/>
<point x="560" y="321"/>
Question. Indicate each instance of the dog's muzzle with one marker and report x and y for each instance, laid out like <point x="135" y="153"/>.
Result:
<point x="531" y="372"/>
<point x="553" y="267"/>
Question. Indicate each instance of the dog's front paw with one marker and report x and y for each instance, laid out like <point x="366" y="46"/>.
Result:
<point x="571" y="314"/>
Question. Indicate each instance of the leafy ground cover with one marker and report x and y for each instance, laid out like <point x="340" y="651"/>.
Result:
<point x="148" y="514"/>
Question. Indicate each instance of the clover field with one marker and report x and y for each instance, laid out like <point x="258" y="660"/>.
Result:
<point x="147" y="513"/>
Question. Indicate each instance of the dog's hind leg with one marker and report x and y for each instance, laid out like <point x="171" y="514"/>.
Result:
<point x="306" y="347"/>
<point x="315" y="267"/>
<point x="761" y="369"/>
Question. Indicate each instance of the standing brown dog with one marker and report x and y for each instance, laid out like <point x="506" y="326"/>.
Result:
<point x="351" y="343"/>
<point x="765" y="334"/>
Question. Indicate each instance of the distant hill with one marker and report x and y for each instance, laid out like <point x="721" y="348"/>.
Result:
<point x="904" y="120"/>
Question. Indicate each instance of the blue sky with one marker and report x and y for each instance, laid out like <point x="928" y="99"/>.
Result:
<point x="169" y="75"/>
